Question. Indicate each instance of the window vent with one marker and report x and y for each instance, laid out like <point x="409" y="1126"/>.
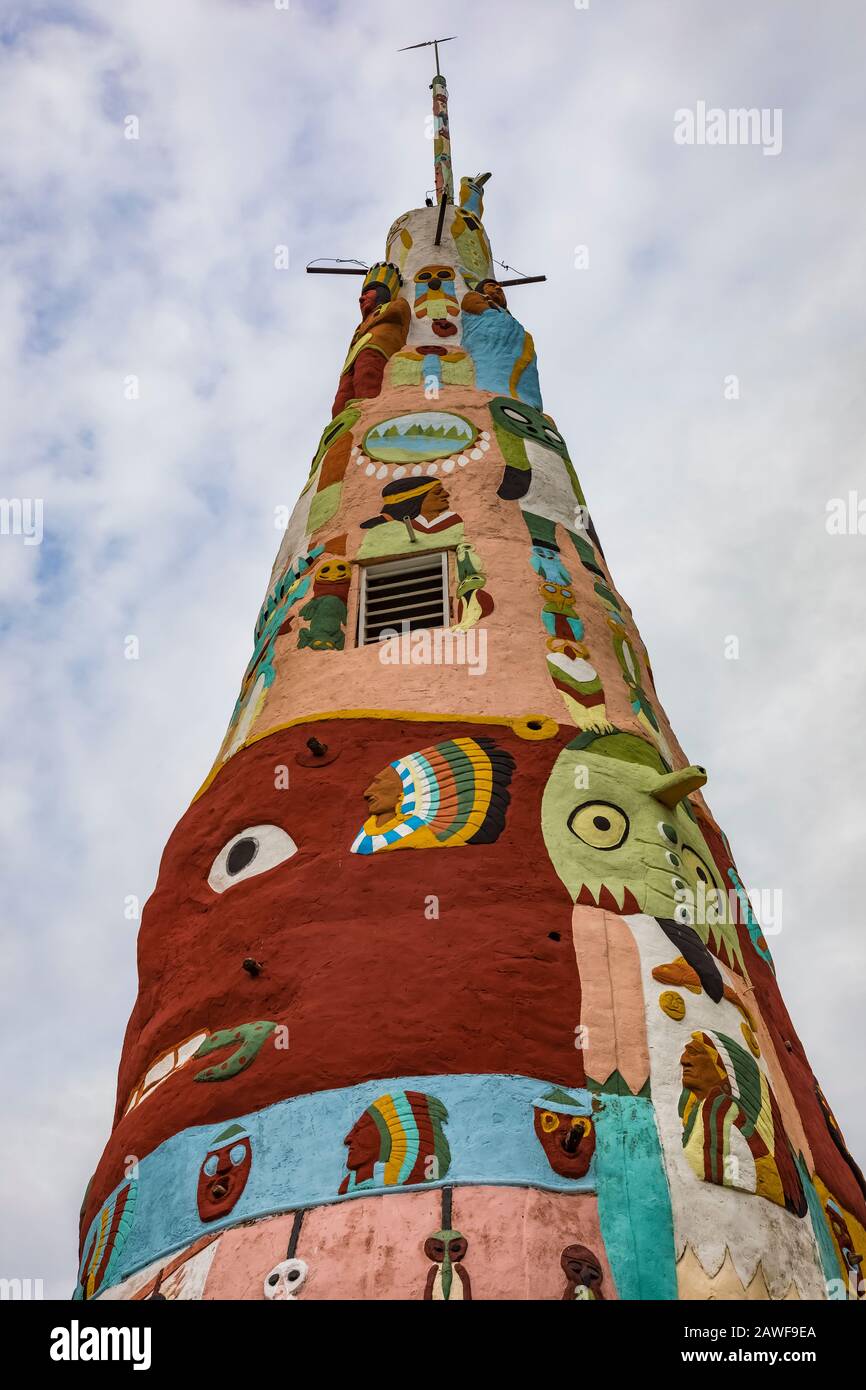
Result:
<point x="403" y="595"/>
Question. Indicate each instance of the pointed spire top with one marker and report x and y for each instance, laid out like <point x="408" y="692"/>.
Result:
<point x="442" y="171"/>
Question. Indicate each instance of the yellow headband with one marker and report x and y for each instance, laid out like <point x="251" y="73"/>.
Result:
<point x="412" y="492"/>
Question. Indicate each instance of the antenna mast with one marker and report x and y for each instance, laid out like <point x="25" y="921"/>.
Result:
<point x="442" y="171"/>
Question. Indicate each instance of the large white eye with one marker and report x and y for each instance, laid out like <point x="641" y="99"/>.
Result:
<point x="252" y="851"/>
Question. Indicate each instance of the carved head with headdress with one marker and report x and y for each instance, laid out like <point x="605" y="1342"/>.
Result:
<point x="724" y="1090"/>
<point x="381" y="284"/>
<point x="454" y="793"/>
<point x="409" y="498"/>
<point x="404" y="1131"/>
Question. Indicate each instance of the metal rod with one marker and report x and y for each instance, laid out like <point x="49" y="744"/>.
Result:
<point x="334" y="270"/>
<point x="443" y="202"/>
<point x="524" y="280"/>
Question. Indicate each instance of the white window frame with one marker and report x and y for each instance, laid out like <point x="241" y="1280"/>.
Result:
<point x="404" y="565"/>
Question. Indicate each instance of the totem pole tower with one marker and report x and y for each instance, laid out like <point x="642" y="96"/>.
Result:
<point x="554" y="1065"/>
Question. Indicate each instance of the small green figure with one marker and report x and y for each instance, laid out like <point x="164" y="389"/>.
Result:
<point x="326" y="611"/>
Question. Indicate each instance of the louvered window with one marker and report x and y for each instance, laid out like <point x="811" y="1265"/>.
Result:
<point x="403" y="595"/>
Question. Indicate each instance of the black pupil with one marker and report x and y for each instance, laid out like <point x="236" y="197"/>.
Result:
<point x="274" y="1279"/>
<point x="241" y="854"/>
<point x="601" y="822"/>
<point x="294" y="1274"/>
<point x="702" y="876"/>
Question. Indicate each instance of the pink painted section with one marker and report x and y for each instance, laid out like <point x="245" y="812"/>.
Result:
<point x="517" y="1236"/>
<point x="245" y="1255"/>
<point x="371" y="1247"/>
<point x="612" y="1002"/>
<point x="305" y="679"/>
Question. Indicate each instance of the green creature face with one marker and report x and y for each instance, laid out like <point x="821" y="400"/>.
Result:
<point x="534" y="449"/>
<point x="621" y="834"/>
<point x="525" y="422"/>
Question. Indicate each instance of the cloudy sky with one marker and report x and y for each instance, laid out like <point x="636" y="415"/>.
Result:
<point x="153" y="258"/>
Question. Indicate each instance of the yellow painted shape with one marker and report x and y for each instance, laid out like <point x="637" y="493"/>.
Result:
<point x="672" y="1004"/>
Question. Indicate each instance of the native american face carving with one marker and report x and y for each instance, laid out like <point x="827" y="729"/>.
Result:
<point x="454" y="793"/>
<point x="733" y="1134"/>
<point x="404" y="1132"/>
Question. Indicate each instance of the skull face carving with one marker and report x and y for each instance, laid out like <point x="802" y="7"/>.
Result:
<point x="285" y="1280"/>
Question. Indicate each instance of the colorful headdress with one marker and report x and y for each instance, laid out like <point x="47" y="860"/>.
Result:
<point x="410" y="1125"/>
<point x="383" y="273"/>
<point x="106" y="1239"/>
<point x="456" y="790"/>
<point x="744" y="1081"/>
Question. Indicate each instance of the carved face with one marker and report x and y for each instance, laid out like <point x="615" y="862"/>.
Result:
<point x="490" y="288"/>
<point x="436" y="501"/>
<point x="558" y="598"/>
<point x="446" y="1243"/>
<point x="285" y="1280"/>
<point x="384" y="792"/>
<point x="525" y="422"/>
<point x="436" y="298"/>
<point x="333" y="573"/>
<point x="435" y="277"/>
<point x="616" y="845"/>
<point x="364" y="1144"/>
<point x="700" y="1073"/>
<point x="370" y="298"/>
<point x="580" y="1266"/>
<point x="224" y="1172"/>
<point x="568" y="1141"/>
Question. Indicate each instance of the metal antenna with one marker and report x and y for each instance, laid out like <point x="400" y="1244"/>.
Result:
<point x="442" y="172"/>
<point x="426" y="44"/>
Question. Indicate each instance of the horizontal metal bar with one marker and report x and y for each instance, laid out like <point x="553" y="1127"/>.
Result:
<point x="335" y="270"/>
<point x="524" y="280"/>
<point x="418" y="584"/>
<point x="391" y="619"/>
<point x="396" y="585"/>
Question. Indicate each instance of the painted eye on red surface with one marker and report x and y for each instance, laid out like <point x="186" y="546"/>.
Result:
<point x="251" y="851"/>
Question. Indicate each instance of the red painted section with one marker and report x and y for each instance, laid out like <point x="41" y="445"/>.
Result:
<point x="367" y="985"/>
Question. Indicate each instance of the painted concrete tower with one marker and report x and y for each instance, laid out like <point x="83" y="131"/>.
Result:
<point x="553" y="1065"/>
